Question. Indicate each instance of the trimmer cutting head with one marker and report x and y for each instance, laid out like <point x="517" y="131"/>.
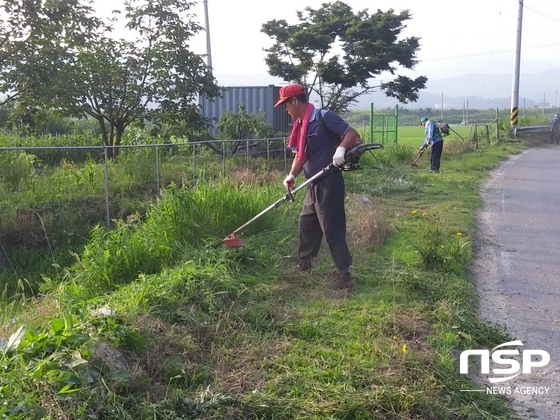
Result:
<point x="233" y="241"/>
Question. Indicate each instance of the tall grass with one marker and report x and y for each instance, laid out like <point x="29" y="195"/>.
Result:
<point x="145" y="244"/>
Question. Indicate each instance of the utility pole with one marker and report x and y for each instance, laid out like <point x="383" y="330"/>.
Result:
<point x="514" y="116"/>
<point x="208" y="48"/>
<point x="441" y="106"/>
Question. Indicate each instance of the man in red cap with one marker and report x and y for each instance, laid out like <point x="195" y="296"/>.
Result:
<point x="319" y="138"/>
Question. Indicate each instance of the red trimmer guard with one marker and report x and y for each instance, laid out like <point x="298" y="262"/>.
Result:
<point x="233" y="241"/>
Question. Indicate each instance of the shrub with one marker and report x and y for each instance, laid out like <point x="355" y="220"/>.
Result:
<point x="16" y="168"/>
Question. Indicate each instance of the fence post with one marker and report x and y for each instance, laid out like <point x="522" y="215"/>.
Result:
<point x="247" y="154"/>
<point x="158" y="177"/>
<point x="224" y="156"/>
<point x="371" y="123"/>
<point x="194" y="162"/>
<point x="497" y="126"/>
<point x="476" y="135"/>
<point x="106" y="159"/>
<point x="395" y="140"/>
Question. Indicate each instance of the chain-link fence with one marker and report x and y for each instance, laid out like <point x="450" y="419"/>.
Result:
<point x="98" y="176"/>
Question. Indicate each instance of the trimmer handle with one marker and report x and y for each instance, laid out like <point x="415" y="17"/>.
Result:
<point x="289" y="195"/>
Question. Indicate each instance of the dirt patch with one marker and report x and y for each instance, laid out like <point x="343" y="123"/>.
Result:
<point x="367" y="221"/>
<point x="244" y="176"/>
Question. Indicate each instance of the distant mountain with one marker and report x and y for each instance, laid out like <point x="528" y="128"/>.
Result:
<point x="472" y="90"/>
<point x="475" y="90"/>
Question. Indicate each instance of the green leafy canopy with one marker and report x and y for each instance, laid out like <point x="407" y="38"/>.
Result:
<point x="337" y="53"/>
<point x="57" y="54"/>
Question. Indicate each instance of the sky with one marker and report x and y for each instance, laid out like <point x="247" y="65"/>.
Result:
<point x="456" y="37"/>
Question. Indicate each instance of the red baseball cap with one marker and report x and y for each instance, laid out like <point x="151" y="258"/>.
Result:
<point x="289" y="91"/>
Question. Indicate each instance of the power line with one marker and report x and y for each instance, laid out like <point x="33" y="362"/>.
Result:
<point x="482" y="53"/>
<point x="538" y="12"/>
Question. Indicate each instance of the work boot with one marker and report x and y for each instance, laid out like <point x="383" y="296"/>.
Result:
<point x="305" y="264"/>
<point x="341" y="281"/>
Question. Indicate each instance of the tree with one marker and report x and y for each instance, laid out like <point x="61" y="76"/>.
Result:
<point x="54" y="54"/>
<point x="336" y="53"/>
<point x="37" y="38"/>
<point x="153" y="77"/>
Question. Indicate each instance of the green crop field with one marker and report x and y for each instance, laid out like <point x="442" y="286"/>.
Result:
<point x="414" y="135"/>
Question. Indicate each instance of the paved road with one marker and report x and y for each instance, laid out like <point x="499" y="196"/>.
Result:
<point x="518" y="268"/>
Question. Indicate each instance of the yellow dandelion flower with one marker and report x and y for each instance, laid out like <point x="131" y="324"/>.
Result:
<point x="459" y="234"/>
<point x="441" y="246"/>
<point x="395" y="338"/>
<point x="424" y="214"/>
<point x="404" y="348"/>
<point x="413" y="212"/>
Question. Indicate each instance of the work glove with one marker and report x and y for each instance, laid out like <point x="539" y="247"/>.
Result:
<point x="289" y="182"/>
<point x="339" y="156"/>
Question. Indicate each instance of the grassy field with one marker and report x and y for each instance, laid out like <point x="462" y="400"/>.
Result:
<point x="51" y="198"/>
<point x="414" y="136"/>
<point x="156" y="319"/>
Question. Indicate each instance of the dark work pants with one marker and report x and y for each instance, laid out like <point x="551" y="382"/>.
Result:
<point x="435" y="155"/>
<point x="323" y="214"/>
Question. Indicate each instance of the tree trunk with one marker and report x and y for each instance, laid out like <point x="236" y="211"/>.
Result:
<point x="118" y="141"/>
<point x="105" y="136"/>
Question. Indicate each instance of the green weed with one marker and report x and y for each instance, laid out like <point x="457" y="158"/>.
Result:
<point x="17" y="169"/>
<point x="438" y="248"/>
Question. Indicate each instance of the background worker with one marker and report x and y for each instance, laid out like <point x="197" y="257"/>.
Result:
<point x="555" y="129"/>
<point x="434" y="140"/>
<point x="319" y="138"/>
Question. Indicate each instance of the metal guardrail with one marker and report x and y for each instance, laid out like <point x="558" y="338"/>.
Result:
<point x="531" y="129"/>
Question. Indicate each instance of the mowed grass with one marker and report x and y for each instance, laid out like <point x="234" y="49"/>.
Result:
<point x="158" y="319"/>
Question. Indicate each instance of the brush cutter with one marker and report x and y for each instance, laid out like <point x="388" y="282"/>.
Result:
<point x="457" y="133"/>
<point x="352" y="162"/>
<point x="420" y="153"/>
